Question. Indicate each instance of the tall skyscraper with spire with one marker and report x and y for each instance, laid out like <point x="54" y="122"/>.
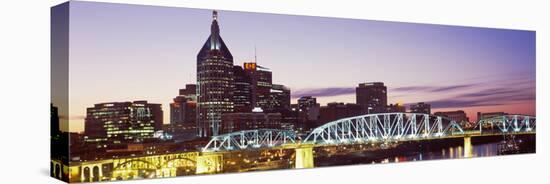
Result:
<point x="214" y="82"/>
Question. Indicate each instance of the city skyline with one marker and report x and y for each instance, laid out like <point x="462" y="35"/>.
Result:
<point x="470" y="92"/>
<point x="497" y="72"/>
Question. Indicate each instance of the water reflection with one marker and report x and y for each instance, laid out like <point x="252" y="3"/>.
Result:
<point x="481" y="150"/>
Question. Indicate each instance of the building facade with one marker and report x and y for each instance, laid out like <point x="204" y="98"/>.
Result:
<point x="459" y="116"/>
<point x="334" y="111"/>
<point x="183" y="116"/>
<point x="308" y="109"/>
<point x="183" y="110"/>
<point x="396" y="108"/>
<point x="254" y="88"/>
<point x="122" y="122"/>
<point x="190" y="91"/>
<point x="421" y="107"/>
<point x="372" y="97"/>
<point x="263" y="79"/>
<point x="279" y="99"/>
<point x="233" y="122"/>
<point x="214" y="82"/>
<point x="487" y="115"/>
<point x="260" y="84"/>
<point x="243" y="93"/>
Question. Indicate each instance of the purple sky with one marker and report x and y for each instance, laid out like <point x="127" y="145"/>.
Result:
<point x="132" y="52"/>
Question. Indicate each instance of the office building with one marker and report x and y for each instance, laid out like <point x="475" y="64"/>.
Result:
<point x="120" y="122"/>
<point x="279" y="99"/>
<point x="458" y="116"/>
<point x="308" y="109"/>
<point x="372" y="97"/>
<point x="214" y="82"/>
<point x="243" y="93"/>
<point x="233" y="122"/>
<point x="334" y="111"/>
<point x="421" y="107"/>
<point x="190" y="91"/>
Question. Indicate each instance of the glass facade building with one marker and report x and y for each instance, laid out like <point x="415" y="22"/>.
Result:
<point x="214" y="82"/>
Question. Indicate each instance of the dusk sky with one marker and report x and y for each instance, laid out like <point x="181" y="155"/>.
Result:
<point x="134" y="52"/>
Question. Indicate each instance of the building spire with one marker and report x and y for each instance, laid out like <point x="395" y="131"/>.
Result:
<point x="214" y="32"/>
<point x="214" y="44"/>
<point x="215" y="15"/>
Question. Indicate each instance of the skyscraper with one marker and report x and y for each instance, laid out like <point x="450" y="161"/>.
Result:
<point x="242" y="94"/>
<point x="261" y="83"/>
<point x="372" y="97"/>
<point x="254" y="88"/>
<point x="214" y="82"/>
<point x="263" y="86"/>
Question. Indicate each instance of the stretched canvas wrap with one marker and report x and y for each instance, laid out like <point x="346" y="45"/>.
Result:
<point x="140" y="92"/>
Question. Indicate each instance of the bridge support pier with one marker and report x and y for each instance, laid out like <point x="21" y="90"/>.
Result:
<point x="304" y="156"/>
<point x="468" y="150"/>
<point x="209" y="163"/>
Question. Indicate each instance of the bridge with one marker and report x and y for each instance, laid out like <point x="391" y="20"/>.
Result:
<point x="369" y="129"/>
<point x="359" y="130"/>
<point x="151" y="166"/>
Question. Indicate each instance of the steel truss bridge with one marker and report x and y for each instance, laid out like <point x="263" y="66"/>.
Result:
<point x="383" y="128"/>
<point x="250" y="139"/>
<point x="373" y="128"/>
<point x="369" y="129"/>
<point x="507" y="124"/>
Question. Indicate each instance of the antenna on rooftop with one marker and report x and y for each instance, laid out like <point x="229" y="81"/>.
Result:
<point x="255" y="56"/>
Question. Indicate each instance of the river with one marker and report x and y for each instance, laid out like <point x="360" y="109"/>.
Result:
<point x="435" y="150"/>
